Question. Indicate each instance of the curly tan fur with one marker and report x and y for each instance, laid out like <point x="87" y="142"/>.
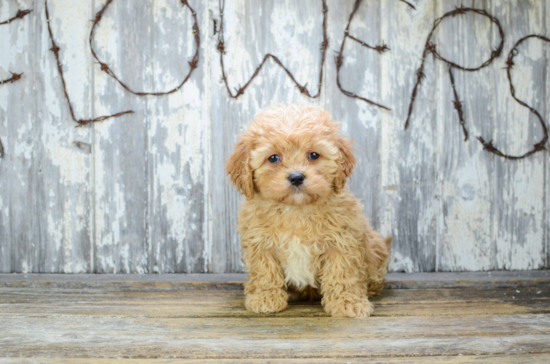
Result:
<point x="308" y="241"/>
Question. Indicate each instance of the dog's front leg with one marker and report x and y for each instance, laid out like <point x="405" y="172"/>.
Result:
<point x="264" y="290"/>
<point x="342" y="285"/>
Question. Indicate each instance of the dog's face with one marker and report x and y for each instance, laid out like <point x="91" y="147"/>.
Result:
<point x="291" y="155"/>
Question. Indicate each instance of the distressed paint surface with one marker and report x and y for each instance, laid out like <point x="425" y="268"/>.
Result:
<point x="18" y="219"/>
<point x="465" y="170"/>
<point x="409" y="184"/>
<point x="519" y="193"/>
<point x="147" y="192"/>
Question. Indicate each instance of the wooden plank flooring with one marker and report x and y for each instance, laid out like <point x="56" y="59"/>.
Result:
<point x="487" y="318"/>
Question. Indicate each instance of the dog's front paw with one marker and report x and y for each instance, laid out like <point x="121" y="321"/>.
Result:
<point x="349" y="305"/>
<point x="269" y="301"/>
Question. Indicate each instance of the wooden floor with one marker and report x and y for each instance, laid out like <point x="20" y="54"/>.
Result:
<point x="494" y="317"/>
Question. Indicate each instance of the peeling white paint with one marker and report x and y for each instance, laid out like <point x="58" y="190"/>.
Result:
<point x="137" y="197"/>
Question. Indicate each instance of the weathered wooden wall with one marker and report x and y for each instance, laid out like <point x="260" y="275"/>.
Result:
<point x="147" y="192"/>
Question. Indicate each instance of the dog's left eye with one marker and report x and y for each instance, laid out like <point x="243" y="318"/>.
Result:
<point x="274" y="158"/>
<point x="313" y="156"/>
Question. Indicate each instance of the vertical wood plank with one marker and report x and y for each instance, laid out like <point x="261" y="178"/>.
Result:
<point x="519" y="185"/>
<point x="62" y="151"/>
<point x="409" y="170"/>
<point x="359" y="74"/>
<point x="17" y="112"/>
<point x="253" y="29"/>
<point x="547" y="120"/>
<point x="465" y="170"/>
<point x="176" y="154"/>
<point x="53" y="235"/>
<point x="123" y="40"/>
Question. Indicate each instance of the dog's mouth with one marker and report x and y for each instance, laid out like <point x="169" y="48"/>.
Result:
<point x="298" y="198"/>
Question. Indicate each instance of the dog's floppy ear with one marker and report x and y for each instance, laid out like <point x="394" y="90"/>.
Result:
<point x="238" y="168"/>
<point x="346" y="163"/>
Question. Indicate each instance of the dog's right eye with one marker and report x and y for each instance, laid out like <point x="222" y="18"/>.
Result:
<point x="274" y="158"/>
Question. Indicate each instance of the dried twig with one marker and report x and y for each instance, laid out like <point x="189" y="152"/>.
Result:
<point x="408" y="3"/>
<point x="20" y="15"/>
<point x="339" y="59"/>
<point x="430" y="47"/>
<point x="458" y="105"/>
<point x="14" y="76"/>
<point x="540" y="146"/>
<point x="105" y="67"/>
<point x="55" y="49"/>
<point x="303" y="89"/>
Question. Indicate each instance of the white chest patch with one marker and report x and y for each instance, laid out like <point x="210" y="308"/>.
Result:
<point x="298" y="267"/>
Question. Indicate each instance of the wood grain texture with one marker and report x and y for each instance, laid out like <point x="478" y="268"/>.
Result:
<point x="360" y="121"/>
<point x="519" y="188"/>
<point x="18" y="172"/>
<point x="147" y="192"/>
<point x="547" y="116"/>
<point x="459" y="325"/>
<point x="121" y="168"/>
<point x="465" y="170"/>
<point x="235" y="281"/>
<point x="220" y="304"/>
<point x="176" y="146"/>
<point x="462" y="359"/>
<point x="409" y="182"/>
<point x="107" y="337"/>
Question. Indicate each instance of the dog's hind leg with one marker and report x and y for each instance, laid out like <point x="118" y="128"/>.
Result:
<point x="378" y="252"/>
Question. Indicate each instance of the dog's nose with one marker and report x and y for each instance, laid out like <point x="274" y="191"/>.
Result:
<point x="296" y="178"/>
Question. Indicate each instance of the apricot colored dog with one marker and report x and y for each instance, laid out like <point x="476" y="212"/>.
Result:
<point x="303" y="233"/>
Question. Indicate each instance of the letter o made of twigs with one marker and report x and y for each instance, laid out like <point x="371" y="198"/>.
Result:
<point x="462" y="11"/>
<point x="105" y="67"/>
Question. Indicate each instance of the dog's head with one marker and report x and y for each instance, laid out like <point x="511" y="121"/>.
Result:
<point x="291" y="155"/>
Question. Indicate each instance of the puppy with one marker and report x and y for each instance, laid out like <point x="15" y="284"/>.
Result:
<point x="302" y="231"/>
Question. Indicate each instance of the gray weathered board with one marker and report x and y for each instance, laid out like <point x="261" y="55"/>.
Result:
<point x="147" y="192"/>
